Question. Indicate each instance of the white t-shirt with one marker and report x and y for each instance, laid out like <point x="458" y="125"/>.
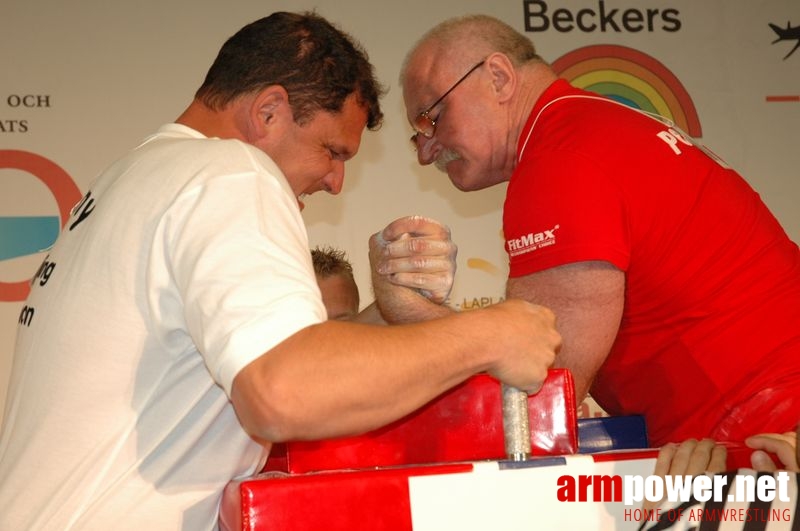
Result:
<point x="187" y="260"/>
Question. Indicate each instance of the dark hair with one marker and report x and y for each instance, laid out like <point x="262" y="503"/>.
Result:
<point x="331" y="261"/>
<point x="317" y="64"/>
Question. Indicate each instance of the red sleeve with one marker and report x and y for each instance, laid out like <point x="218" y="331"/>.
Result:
<point x="561" y="208"/>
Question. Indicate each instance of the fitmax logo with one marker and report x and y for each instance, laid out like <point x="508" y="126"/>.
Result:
<point x="531" y="242"/>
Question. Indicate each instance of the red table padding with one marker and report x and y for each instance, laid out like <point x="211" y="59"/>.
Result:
<point x="377" y="500"/>
<point x="463" y="424"/>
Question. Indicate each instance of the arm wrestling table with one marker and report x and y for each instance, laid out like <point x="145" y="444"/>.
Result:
<point x="443" y="467"/>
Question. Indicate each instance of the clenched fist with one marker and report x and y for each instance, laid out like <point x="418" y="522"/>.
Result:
<point x="412" y="259"/>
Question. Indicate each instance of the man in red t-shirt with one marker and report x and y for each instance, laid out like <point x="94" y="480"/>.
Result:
<point x="676" y="291"/>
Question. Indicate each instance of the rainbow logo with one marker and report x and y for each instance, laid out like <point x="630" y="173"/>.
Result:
<point x="633" y="78"/>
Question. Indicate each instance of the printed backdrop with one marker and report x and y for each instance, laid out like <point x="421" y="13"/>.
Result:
<point x="82" y="82"/>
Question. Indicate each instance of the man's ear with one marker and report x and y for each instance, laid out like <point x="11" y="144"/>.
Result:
<point x="504" y="76"/>
<point x="270" y="112"/>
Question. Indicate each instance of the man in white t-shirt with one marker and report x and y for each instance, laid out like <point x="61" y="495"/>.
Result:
<point x="175" y="330"/>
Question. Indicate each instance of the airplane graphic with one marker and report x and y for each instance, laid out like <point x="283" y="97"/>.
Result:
<point x="788" y="34"/>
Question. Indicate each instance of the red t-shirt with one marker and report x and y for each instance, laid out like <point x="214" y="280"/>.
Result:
<point x="709" y="343"/>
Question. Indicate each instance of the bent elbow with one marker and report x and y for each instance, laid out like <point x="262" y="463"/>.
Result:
<point x="264" y="408"/>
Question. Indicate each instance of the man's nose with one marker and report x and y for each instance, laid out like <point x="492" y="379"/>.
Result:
<point x="334" y="181"/>
<point x="427" y="149"/>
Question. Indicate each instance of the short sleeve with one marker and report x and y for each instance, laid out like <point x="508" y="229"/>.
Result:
<point x="241" y="263"/>
<point x="561" y="208"/>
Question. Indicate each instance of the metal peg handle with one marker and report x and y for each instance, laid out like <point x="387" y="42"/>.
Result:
<point x="516" y="430"/>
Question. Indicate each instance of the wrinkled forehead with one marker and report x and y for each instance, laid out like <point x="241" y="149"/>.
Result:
<point x="428" y="69"/>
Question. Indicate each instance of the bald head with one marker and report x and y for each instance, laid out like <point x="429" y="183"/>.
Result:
<point x="469" y="85"/>
<point x="479" y="35"/>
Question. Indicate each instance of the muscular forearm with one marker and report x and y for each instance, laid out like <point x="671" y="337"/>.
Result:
<point x="338" y="378"/>
<point x="588" y="299"/>
<point x="408" y="306"/>
<point x="372" y="315"/>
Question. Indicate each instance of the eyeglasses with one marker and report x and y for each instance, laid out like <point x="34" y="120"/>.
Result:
<point x="425" y="125"/>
